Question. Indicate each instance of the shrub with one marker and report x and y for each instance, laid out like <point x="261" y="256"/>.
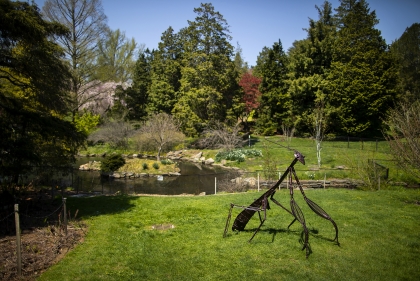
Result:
<point x="145" y="166"/>
<point x="237" y="155"/>
<point x="156" y="165"/>
<point x="166" y="162"/>
<point x="112" y="163"/>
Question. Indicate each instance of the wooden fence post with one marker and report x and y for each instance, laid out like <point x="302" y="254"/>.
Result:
<point x="18" y="244"/>
<point x="65" y="215"/>
<point x="258" y="181"/>
<point x="215" y="186"/>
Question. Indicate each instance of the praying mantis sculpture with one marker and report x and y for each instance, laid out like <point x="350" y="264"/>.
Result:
<point x="261" y="205"/>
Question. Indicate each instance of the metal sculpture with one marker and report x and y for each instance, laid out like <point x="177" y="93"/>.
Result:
<point x="261" y="205"/>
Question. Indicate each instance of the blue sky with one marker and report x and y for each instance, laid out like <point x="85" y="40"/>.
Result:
<point x="253" y="24"/>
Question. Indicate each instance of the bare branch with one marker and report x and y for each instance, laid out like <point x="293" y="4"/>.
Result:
<point x="219" y="135"/>
<point x="404" y="136"/>
<point x="162" y="130"/>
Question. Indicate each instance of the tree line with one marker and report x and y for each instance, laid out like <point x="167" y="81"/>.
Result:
<point x="64" y="72"/>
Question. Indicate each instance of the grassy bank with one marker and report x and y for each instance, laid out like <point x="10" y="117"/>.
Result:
<point x="339" y="159"/>
<point x="379" y="236"/>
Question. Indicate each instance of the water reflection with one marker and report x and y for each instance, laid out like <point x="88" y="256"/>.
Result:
<point x="195" y="179"/>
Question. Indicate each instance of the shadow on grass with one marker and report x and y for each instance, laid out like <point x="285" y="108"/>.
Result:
<point x="100" y="205"/>
<point x="313" y="232"/>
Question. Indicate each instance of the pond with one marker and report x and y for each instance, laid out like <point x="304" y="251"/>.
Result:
<point x="194" y="179"/>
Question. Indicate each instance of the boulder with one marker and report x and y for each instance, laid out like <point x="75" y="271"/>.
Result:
<point x="209" y="161"/>
<point x="197" y="156"/>
<point x="251" y="181"/>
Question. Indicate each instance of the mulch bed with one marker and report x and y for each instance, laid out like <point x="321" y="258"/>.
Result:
<point x="41" y="248"/>
<point x="43" y="240"/>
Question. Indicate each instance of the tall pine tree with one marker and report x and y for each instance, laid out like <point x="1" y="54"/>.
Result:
<point x="407" y="52"/>
<point x="209" y="78"/>
<point x="165" y="74"/>
<point x="361" y="81"/>
<point x="309" y="60"/>
<point x="131" y="103"/>
<point x="275" y="104"/>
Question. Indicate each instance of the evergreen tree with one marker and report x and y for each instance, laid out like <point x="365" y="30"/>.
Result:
<point x="131" y="103"/>
<point x="240" y="65"/>
<point x="310" y="59"/>
<point x="407" y="53"/>
<point x="33" y="93"/>
<point x="275" y="103"/>
<point x="361" y="82"/>
<point x="261" y="61"/>
<point x="165" y="74"/>
<point x="209" y="80"/>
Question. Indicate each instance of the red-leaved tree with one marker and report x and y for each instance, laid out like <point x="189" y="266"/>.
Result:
<point x="249" y="84"/>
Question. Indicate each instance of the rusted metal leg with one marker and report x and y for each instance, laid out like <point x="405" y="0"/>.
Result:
<point x="228" y="219"/>
<point x="316" y="208"/>
<point x="297" y="212"/>
<point x="291" y="223"/>
<point x="257" y="230"/>
<point x="264" y="208"/>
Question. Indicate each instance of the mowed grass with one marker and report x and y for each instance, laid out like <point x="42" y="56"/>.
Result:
<point x="339" y="159"/>
<point x="378" y="232"/>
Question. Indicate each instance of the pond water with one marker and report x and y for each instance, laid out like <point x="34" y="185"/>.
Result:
<point x="195" y="179"/>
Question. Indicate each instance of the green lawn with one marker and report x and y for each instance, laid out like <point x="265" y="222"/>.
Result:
<point x="379" y="236"/>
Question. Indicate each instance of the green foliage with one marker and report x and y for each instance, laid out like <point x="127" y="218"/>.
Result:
<point x="406" y="50"/>
<point x="136" y="97"/>
<point x="240" y="65"/>
<point x="112" y="163"/>
<point x="86" y="122"/>
<point x="209" y="78"/>
<point x="33" y="93"/>
<point x="145" y="166"/>
<point x="116" y="57"/>
<point x="362" y="78"/>
<point x="166" y="74"/>
<point x="156" y="165"/>
<point x="275" y="102"/>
